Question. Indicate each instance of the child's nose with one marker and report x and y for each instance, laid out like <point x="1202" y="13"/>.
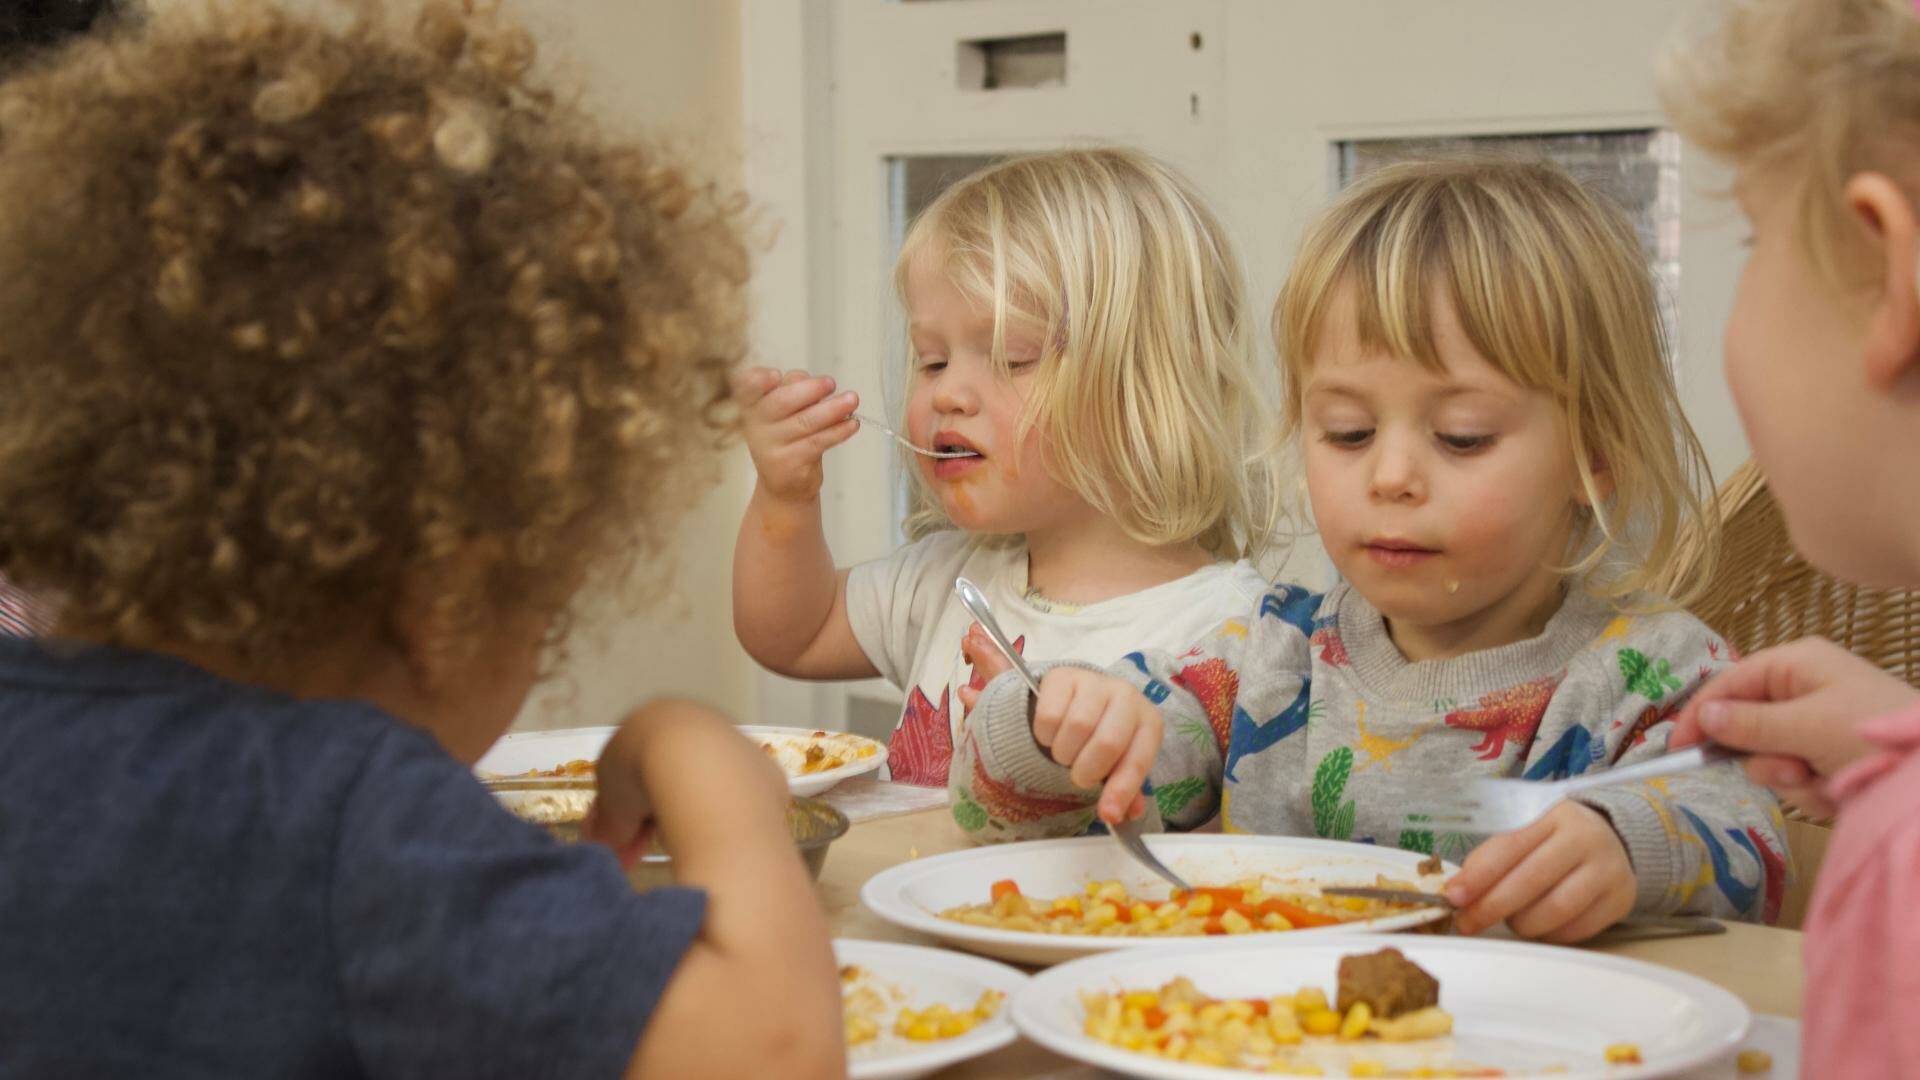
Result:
<point x="956" y="394"/>
<point x="1395" y="474"/>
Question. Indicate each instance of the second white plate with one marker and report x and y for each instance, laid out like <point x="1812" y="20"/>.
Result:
<point x="919" y="977"/>
<point x="913" y="894"/>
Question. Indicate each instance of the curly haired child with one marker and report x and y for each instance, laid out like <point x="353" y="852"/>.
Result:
<point x="337" y="364"/>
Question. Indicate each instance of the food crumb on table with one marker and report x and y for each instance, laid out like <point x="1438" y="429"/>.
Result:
<point x="1754" y="1061"/>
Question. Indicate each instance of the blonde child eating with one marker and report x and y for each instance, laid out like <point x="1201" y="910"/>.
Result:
<point x="1823" y="357"/>
<point x="335" y="366"/>
<point x="1497" y="465"/>
<point x="1076" y="324"/>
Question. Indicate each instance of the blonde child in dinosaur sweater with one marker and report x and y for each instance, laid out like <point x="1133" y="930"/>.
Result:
<point x="1498" y="467"/>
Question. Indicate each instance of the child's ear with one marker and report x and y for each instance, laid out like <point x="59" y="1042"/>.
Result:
<point x="1602" y="476"/>
<point x="1893" y="329"/>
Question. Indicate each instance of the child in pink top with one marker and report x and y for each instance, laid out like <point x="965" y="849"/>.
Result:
<point x="1816" y="105"/>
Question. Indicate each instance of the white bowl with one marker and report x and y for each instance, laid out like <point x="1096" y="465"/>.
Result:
<point x="1528" y="1009"/>
<point x="913" y="894"/>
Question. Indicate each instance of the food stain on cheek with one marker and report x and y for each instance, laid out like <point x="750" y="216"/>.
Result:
<point x="957" y="495"/>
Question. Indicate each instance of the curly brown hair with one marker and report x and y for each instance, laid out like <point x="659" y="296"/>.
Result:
<point x="296" y="314"/>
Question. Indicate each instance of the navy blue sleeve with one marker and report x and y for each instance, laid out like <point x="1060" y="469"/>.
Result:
<point x="470" y="944"/>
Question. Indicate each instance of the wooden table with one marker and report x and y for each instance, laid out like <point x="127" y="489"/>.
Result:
<point x="1758" y="964"/>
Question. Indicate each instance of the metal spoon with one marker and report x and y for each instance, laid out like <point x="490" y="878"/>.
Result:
<point x="1127" y="832"/>
<point x="903" y="441"/>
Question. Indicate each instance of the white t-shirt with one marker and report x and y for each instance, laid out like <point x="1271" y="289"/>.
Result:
<point x="910" y="624"/>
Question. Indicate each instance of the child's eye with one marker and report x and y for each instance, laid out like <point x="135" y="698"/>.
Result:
<point x="1349" y="439"/>
<point x="1464" y="443"/>
<point x="932" y="365"/>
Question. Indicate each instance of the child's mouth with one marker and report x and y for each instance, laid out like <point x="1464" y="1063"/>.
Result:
<point x="1398" y="554"/>
<point x="949" y="468"/>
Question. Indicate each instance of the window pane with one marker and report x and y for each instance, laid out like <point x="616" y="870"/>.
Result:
<point x="1638" y="170"/>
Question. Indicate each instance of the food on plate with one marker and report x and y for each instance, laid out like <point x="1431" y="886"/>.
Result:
<point x="1623" y="1054"/>
<point x="1107" y="909"/>
<point x="797" y="755"/>
<point x="818" y="752"/>
<point x="868" y="1002"/>
<point x="576" y="767"/>
<point x="1178" y="1022"/>
<point x="1387" y="983"/>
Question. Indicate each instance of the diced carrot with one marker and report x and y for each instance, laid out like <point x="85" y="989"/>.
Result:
<point x="1222" y="897"/>
<point x="1296" y="914"/>
<point x="1213" y="925"/>
<point x="1259" y="1006"/>
<point x="1122" y="913"/>
<point x="1246" y="911"/>
<point x="1004" y="887"/>
<point x="1154" y="1017"/>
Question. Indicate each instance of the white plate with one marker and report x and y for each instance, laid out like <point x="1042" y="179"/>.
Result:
<point x="914" y="893"/>
<point x="928" y="977"/>
<point x="526" y="750"/>
<point x="815" y="783"/>
<point x="1519" y="1007"/>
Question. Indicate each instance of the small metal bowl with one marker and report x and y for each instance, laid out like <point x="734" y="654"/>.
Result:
<point x="560" y="805"/>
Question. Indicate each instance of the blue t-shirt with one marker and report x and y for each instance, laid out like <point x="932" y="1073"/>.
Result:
<point x="203" y="879"/>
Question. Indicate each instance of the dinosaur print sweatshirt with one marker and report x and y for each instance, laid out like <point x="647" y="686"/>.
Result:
<point x="1300" y="717"/>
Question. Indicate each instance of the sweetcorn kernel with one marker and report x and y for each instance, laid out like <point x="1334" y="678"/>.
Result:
<point x="1355" y="1025"/>
<point x="1623" y="1054"/>
<point x="1754" y="1061"/>
<point x="1323" y="1022"/>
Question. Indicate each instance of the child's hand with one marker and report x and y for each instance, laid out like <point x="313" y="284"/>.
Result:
<point x="621" y="815"/>
<point x="791" y="421"/>
<point x="1798" y="707"/>
<point x="660" y="740"/>
<point x="1561" y="879"/>
<point x="1098" y="726"/>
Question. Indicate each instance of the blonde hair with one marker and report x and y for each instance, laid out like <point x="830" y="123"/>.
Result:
<point x="295" y="315"/>
<point x="1551" y="287"/>
<point x="1145" y="389"/>
<point x="1811" y="91"/>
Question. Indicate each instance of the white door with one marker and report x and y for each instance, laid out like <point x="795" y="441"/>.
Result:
<point x="865" y="107"/>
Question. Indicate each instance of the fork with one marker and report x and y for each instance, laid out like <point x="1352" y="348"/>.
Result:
<point x="904" y="441"/>
<point x="1490" y="805"/>
<point x="1127" y="832"/>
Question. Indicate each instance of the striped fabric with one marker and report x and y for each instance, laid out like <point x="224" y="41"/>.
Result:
<point x="20" y="616"/>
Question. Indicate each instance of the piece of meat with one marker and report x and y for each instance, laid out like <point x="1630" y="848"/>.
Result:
<point x="1388" y="982"/>
<point x="1429" y="865"/>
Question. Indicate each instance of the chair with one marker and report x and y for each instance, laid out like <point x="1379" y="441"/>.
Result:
<point x="1762" y="593"/>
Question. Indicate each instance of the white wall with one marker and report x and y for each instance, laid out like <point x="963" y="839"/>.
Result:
<point x="665" y="69"/>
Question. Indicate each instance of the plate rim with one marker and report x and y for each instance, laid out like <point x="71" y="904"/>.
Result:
<point x="1035" y="995"/>
<point x="947" y="1052"/>
<point x="883" y="895"/>
<point x="811" y="784"/>
<point x="821" y="781"/>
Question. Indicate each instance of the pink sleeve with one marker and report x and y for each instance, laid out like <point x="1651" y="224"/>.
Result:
<point x="1862" y="948"/>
